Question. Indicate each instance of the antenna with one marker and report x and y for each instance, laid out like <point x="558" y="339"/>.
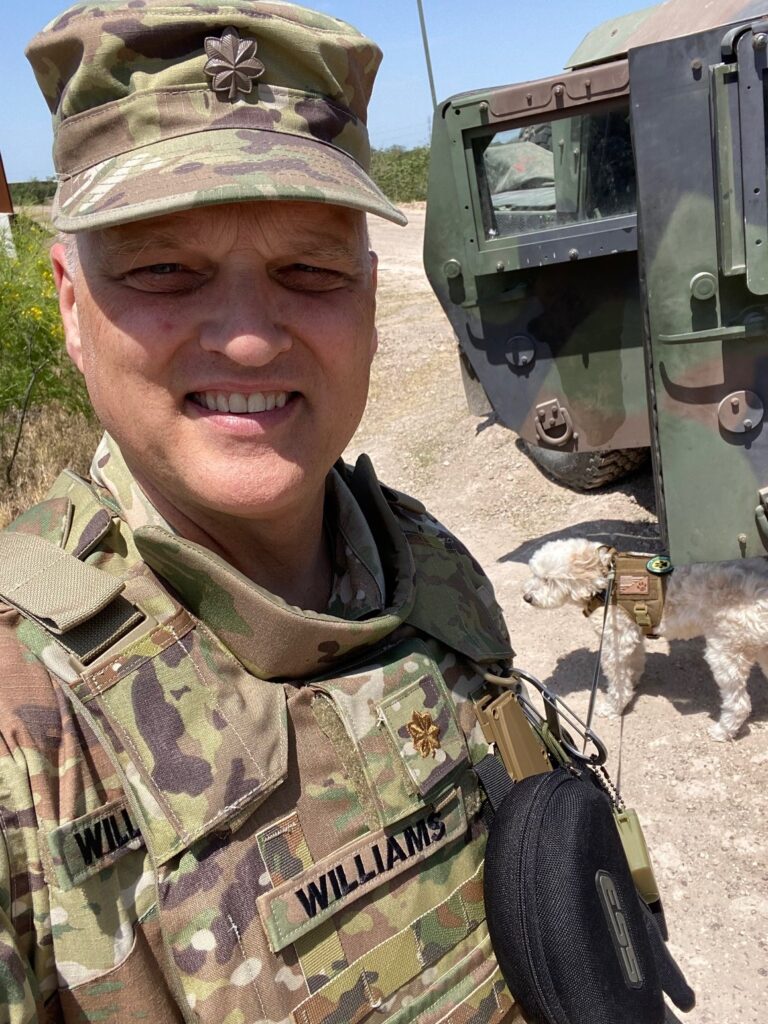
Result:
<point x="426" y="52"/>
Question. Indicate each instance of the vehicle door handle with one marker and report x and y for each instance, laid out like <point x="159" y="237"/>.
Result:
<point x="754" y="326"/>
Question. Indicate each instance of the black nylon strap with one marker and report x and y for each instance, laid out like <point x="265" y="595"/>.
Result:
<point x="494" y="778"/>
<point x="90" y="639"/>
<point x="669" y="1017"/>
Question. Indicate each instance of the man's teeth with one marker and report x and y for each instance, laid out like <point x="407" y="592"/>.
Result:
<point x="221" y="401"/>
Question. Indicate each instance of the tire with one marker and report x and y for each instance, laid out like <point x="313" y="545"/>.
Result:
<point x="585" y="471"/>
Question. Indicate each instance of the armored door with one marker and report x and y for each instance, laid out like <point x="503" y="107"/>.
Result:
<point x="699" y="136"/>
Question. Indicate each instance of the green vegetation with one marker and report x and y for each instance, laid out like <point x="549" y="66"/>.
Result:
<point x="401" y="174"/>
<point x="34" y="368"/>
<point x="32" y="193"/>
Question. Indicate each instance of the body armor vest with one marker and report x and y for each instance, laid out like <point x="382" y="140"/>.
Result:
<point x="299" y="837"/>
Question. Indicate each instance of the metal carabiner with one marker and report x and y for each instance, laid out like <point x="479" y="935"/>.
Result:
<point x="557" y="714"/>
<point x="561" y="718"/>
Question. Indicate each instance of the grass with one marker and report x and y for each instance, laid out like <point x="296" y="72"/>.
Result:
<point x="40" y="214"/>
<point x="53" y="439"/>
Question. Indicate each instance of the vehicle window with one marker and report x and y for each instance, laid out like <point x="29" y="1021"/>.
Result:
<point x="557" y="172"/>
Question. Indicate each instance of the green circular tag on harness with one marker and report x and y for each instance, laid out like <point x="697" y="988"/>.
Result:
<point x="659" y="565"/>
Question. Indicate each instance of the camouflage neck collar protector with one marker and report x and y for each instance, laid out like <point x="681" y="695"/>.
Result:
<point x="230" y="603"/>
<point x="270" y="638"/>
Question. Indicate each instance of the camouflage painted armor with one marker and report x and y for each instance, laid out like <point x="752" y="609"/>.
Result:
<point x="216" y="807"/>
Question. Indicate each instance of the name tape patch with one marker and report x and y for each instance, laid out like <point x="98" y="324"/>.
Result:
<point x="300" y="904"/>
<point x="88" y="844"/>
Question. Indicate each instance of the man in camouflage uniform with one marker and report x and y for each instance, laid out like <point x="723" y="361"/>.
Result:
<point x="236" y="725"/>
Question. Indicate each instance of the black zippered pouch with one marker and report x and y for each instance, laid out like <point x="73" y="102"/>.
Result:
<point x="574" y="940"/>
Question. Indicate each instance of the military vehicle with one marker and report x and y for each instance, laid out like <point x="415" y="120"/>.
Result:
<point x="599" y="242"/>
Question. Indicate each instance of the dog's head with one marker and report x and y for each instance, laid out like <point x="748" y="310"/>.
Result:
<point x="567" y="572"/>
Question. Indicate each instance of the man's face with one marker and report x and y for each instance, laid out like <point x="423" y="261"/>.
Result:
<point x="227" y="349"/>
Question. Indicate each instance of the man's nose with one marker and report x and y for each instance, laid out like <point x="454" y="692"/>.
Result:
<point x="246" y="324"/>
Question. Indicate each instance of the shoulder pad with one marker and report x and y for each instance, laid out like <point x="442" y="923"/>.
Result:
<point x="405" y="501"/>
<point x="42" y="574"/>
<point x="70" y="516"/>
<point x="454" y="598"/>
<point x="50" y="519"/>
<point x="51" y="586"/>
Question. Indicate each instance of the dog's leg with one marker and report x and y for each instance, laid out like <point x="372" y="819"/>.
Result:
<point x="731" y="670"/>
<point x="623" y="661"/>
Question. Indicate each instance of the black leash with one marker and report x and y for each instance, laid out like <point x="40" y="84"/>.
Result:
<point x="596" y="676"/>
<point x="593" y="694"/>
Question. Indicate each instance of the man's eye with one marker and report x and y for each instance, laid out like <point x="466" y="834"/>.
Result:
<point x="163" y="268"/>
<point x="311" y="277"/>
<point x="306" y="268"/>
<point x="164" y="277"/>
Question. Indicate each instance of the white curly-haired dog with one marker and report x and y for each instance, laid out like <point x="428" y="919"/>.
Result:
<point x="726" y="603"/>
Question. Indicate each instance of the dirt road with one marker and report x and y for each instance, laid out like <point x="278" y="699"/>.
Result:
<point x="703" y="804"/>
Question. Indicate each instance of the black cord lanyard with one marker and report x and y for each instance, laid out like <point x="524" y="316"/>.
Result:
<point x="596" y="676"/>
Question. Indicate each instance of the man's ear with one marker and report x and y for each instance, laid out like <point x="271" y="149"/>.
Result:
<point x="63" y="277"/>
<point x="374" y="281"/>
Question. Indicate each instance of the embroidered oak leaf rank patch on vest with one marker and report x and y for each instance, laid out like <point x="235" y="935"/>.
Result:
<point x="425" y="733"/>
<point x="80" y="848"/>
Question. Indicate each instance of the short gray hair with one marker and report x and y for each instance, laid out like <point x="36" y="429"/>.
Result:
<point x="71" y="257"/>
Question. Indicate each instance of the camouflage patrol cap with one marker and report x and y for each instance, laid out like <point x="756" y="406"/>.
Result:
<point x="163" y="105"/>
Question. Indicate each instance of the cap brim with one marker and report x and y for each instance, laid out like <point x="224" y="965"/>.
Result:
<point x="215" y="166"/>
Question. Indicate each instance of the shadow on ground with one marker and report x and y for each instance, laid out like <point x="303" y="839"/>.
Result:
<point x="681" y="677"/>
<point x="621" y="533"/>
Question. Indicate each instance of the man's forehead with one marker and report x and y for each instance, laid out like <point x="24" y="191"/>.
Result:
<point x="278" y="225"/>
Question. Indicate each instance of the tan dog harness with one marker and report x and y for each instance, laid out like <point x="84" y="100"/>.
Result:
<point x="639" y="588"/>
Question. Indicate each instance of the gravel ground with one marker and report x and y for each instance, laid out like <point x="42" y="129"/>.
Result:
<point x="702" y="803"/>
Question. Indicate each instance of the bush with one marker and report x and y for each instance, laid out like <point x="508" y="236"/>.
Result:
<point x="33" y="193"/>
<point x="34" y="367"/>
<point x="401" y="174"/>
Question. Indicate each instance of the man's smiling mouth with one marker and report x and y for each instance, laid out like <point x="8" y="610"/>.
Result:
<point x="236" y="402"/>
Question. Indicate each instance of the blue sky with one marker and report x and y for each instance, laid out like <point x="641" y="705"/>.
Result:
<point x="474" y="43"/>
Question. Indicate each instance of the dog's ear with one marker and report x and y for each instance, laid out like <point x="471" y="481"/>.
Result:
<point x="606" y="554"/>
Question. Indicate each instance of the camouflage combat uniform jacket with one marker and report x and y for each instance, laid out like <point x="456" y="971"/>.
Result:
<point x="216" y="807"/>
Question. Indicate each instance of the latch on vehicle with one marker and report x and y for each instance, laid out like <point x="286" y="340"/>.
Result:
<point x="554" y="424"/>
<point x="761" y="515"/>
<point x="740" y="412"/>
